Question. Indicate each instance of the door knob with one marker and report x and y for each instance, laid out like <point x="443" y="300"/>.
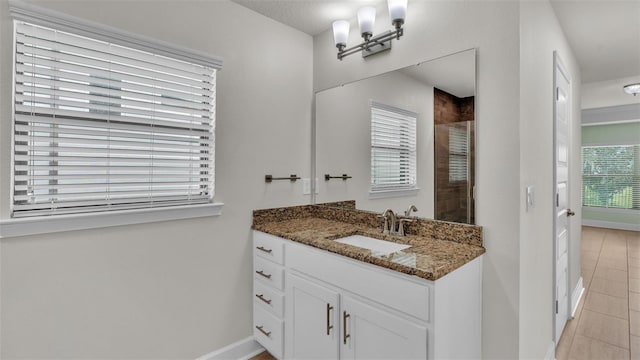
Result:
<point x="570" y="213"/>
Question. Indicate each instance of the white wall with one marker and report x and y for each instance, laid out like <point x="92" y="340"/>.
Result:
<point x="343" y="131"/>
<point x="540" y="35"/>
<point x="437" y="28"/>
<point x="179" y="289"/>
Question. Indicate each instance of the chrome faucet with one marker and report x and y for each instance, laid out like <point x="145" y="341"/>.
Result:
<point x="411" y="208"/>
<point x="390" y="219"/>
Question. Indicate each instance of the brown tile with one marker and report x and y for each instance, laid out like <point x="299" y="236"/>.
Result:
<point x="607" y="304"/>
<point x="610" y="274"/>
<point x="635" y="347"/>
<point x="619" y="264"/>
<point x="584" y="348"/>
<point x="590" y="256"/>
<point x="633" y="261"/>
<point x="634" y="322"/>
<point x="609" y="329"/>
<point x="634" y="272"/>
<point x="564" y="346"/>
<point x="634" y="285"/>
<point x="634" y="301"/>
<point x="263" y="356"/>
<point x="609" y="287"/>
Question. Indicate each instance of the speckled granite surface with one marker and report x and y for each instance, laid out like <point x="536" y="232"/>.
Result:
<point x="431" y="256"/>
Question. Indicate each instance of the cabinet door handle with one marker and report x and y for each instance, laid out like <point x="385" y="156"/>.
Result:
<point x="329" y="326"/>
<point x="268" y="251"/>
<point x="261" y="297"/>
<point x="260" y="272"/>
<point x="266" y="333"/>
<point x="345" y="336"/>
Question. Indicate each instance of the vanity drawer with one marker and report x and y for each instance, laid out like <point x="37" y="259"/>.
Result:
<point x="396" y="291"/>
<point x="268" y="273"/>
<point x="268" y="298"/>
<point x="268" y="247"/>
<point x="268" y="331"/>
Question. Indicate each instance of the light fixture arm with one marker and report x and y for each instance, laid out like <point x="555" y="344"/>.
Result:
<point x="374" y="44"/>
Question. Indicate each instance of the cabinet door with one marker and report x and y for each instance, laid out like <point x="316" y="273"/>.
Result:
<point x="312" y="329"/>
<point x="368" y="332"/>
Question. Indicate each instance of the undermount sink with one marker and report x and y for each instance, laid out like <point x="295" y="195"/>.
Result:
<point x="377" y="247"/>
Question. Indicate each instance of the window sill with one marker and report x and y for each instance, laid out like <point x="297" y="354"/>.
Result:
<point x="59" y="223"/>
<point x="609" y="210"/>
<point x="383" y="194"/>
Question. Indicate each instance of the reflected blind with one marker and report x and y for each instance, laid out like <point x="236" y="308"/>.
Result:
<point x="393" y="148"/>
<point x="458" y="152"/>
<point x="99" y="126"/>
<point x="611" y="176"/>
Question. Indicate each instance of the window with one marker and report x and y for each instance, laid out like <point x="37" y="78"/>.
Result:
<point x="393" y="148"/>
<point x="458" y="152"/>
<point x="100" y="126"/>
<point x="611" y="176"/>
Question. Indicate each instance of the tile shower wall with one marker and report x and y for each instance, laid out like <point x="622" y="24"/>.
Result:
<point x="451" y="202"/>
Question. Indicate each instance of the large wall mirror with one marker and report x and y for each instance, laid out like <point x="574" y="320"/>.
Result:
<point x="406" y="137"/>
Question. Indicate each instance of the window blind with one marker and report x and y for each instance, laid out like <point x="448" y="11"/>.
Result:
<point x="611" y="176"/>
<point x="393" y="148"/>
<point x="458" y="152"/>
<point x="100" y="126"/>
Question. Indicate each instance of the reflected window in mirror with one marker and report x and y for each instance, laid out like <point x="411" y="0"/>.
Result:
<point x="393" y="148"/>
<point x="458" y="152"/>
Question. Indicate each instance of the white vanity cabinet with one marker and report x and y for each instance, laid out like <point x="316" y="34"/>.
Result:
<point x="268" y="290"/>
<point x="339" y="308"/>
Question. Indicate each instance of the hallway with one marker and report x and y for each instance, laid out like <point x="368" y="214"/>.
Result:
<point x="607" y="320"/>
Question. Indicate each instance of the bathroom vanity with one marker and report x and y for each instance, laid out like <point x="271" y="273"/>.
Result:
<point x="316" y="295"/>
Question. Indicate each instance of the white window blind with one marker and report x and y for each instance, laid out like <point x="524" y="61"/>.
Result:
<point x="100" y="126"/>
<point x="611" y="176"/>
<point x="458" y="152"/>
<point x="393" y="148"/>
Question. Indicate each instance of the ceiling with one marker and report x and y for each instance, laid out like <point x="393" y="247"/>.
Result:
<point x="310" y="16"/>
<point x="604" y="34"/>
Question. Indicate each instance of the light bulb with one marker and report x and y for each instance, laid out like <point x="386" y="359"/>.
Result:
<point x="397" y="11"/>
<point x="366" y="20"/>
<point x="340" y="32"/>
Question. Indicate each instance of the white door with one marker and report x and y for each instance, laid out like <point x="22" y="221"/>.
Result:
<point x="312" y="326"/>
<point x="368" y="332"/>
<point x="561" y="203"/>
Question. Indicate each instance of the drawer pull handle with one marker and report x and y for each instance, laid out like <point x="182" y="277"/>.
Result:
<point x="266" y="333"/>
<point x="268" y="251"/>
<point x="260" y="272"/>
<point x="345" y="336"/>
<point x="329" y="326"/>
<point x="261" y="297"/>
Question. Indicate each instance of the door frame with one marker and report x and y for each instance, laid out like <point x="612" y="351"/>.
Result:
<point x="558" y="66"/>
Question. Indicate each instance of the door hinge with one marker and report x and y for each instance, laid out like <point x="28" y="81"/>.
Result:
<point x="557" y="93"/>
<point x="556" y="306"/>
<point x="557" y="199"/>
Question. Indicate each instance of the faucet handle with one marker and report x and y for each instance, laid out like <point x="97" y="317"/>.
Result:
<point x="385" y="227"/>
<point x="401" y="226"/>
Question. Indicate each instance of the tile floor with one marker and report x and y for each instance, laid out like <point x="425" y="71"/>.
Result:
<point x="607" y="320"/>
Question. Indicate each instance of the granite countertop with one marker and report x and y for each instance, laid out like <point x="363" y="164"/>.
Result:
<point x="428" y="257"/>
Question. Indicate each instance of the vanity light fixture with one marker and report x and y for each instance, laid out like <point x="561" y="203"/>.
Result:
<point x="632" y="89"/>
<point x="366" y="19"/>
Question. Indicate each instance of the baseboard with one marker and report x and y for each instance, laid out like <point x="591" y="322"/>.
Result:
<point x="611" y="225"/>
<point x="241" y="350"/>
<point x="551" y="352"/>
<point x="576" y="295"/>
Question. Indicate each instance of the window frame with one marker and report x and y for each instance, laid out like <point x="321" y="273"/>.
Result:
<point x="394" y="190"/>
<point x="635" y="182"/>
<point x="22" y="12"/>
